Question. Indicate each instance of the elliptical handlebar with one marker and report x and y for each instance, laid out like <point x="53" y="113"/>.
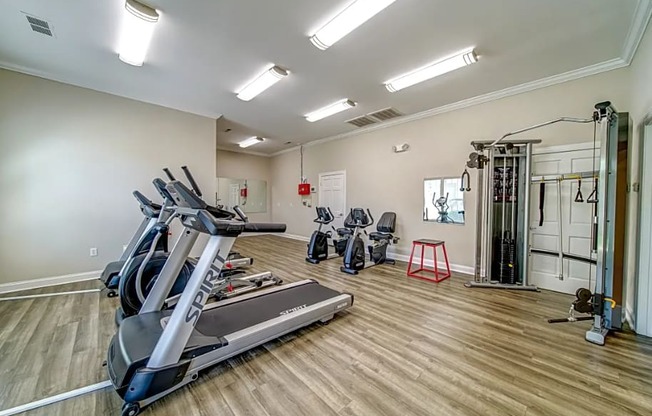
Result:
<point x="241" y="214"/>
<point x="169" y="174"/>
<point x="254" y="227"/>
<point x="194" y="185"/>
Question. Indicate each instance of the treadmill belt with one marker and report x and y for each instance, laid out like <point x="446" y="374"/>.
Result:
<point x="227" y="319"/>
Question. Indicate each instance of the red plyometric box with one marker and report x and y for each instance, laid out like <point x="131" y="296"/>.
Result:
<point x="304" y="189"/>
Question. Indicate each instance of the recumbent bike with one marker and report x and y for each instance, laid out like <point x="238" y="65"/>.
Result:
<point x="354" y="256"/>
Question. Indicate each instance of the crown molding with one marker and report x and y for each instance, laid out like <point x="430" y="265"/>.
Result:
<point x="246" y="152"/>
<point x="637" y="28"/>
<point x="50" y="77"/>
<point x="639" y="23"/>
<point x="480" y="99"/>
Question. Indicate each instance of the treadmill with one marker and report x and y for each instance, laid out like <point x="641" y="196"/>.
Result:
<point x="154" y="353"/>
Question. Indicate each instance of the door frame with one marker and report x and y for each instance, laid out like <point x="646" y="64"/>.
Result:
<point x="642" y="305"/>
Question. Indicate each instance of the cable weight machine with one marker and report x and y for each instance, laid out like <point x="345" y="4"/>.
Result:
<point x="503" y="205"/>
<point x="502" y="232"/>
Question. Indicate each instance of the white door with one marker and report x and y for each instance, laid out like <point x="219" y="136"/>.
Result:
<point x="332" y="194"/>
<point x="576" y="221"/>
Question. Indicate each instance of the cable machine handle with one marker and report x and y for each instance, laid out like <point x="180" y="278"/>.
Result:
<point x="466" y="175"/>
<point x="194" y="185"/>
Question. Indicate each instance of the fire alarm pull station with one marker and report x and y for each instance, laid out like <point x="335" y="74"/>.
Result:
<point x="304" y="189"/>
<point x="243" y="192"/>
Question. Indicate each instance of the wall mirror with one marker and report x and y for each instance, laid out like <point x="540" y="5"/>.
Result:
<point x="249" y="194"/>
<point x="443" y="201"/>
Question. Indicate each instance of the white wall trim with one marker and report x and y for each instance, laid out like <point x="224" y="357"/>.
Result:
<point x="605" y="66"/>
<point x="294" y="237"/>
<point x="49" y="281"/>
<point x="246" y="152"/>
<point x="458" y="268"/>
<point x="640" y="21"/>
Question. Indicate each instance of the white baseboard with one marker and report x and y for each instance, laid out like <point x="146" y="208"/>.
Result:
<point x="295" y="237"/>
<point x="49" y="281"/>
<point x="254" y="234"/>
<point x="402" y="257"/>
<point x="630" y="317"/>
<point x="459" y="268"/>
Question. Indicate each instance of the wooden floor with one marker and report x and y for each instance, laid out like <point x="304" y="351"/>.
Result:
<point x="406" y="347"/>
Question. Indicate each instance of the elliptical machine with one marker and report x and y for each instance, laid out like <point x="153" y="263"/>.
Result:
<point x="140" y="243"/>
<point x="318" y="246"/>
<point x="354" y="257"/>
<point x="154" y="228"/>
<point x="142" y="271"/>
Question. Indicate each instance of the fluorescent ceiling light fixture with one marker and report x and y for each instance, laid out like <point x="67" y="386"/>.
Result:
<point x="331" y="109"/>
<point x="251" y="141"/>
<point x="451" y="63"/>
<point x="137" y="29"/>
<point x="344" y="23"/>
<point x="265" y="80"/>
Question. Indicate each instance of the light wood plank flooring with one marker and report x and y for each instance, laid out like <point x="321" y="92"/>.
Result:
<point x="407" y="347"/>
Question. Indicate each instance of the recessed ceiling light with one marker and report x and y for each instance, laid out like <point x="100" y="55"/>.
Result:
<point x="251" y="141"/>
<point x="330" y="109"/>
<point x="137" y="29"/>
<point x="263" y="81"/>
<point x="344" y="23"/>
<point x="451" y="63"/>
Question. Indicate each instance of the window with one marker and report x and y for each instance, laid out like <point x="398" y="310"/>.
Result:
<point x="443" y="201"/>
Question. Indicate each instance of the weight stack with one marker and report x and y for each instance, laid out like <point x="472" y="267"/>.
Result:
<point x="507" y="268"/>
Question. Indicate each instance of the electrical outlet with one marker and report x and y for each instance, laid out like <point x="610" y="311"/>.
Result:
<point x="93" y="251"/>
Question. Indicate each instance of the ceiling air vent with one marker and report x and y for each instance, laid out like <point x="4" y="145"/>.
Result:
<point x="385" y="114"/>
<point x="39" y="25"/>
<point x="375" y="117"/>
<point x="362" y="121"/>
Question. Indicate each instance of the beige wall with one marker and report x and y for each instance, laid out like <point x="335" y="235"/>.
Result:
<point x="641" y="107"/>
<point x="439" y="146"/>
<point x="641" y="70"/>
<point x="69" y="160"/>
<point x="243" y="166"/>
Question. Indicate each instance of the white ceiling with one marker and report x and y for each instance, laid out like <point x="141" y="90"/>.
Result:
<point x="203" y="51"/>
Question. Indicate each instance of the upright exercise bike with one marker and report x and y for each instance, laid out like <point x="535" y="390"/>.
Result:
<point x="318" y="246"/>
<point x="354" y="257"/>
